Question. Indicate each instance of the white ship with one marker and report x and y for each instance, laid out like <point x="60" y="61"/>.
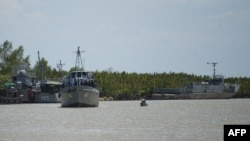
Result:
<point x="79" y="87"/>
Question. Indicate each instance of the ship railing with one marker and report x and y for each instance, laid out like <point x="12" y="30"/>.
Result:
<point x="79" y="81"/>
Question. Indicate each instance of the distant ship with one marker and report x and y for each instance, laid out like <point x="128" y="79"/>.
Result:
<point x="46" y="91"/>
<point x="79" y="87"/>
<point x="43" y="91"/>
<point x="212" y="89"/>
<point x="23" y="80"/>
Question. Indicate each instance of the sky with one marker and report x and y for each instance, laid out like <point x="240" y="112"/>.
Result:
<point x="142" y="36"/>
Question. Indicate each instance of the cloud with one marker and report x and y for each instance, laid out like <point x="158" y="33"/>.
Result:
<point x="206" y="2"/>
<point x="106" y="28"/>
<point x="10" y="7"/>
<point x="243" y="15"/>
<point x="16" y="12"/>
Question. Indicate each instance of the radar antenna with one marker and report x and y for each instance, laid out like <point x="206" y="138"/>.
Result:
<point x="214" y="67"/>
<point x="79" y="59"/>
<point x="60" y="66"/>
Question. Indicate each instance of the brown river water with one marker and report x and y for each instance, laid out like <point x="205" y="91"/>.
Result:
<point x="163" y="120"/>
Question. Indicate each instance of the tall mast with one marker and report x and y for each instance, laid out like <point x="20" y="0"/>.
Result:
<point x="214" y="67"/>
<point x="41" y="66"/>
<point x="79" y="63"/>
<point x="60" y="66"/>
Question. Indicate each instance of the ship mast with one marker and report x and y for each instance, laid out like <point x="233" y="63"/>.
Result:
<point x="60" y="66"/>
<point x="79" y="63"/>
<point x="214" y="67"/>
<point x="40" y="65"/>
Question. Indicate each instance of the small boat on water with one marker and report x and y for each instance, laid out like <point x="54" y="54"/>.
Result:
<point x="79" y="87"/>
<point x="143" y="102"/>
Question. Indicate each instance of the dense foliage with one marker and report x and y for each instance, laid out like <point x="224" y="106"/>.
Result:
<point x="119" y="85"/>
<point x="10" y="58"/>
<point x="122" y="85"/>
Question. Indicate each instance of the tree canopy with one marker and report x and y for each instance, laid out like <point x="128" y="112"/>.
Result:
<point x="10" y="57"/>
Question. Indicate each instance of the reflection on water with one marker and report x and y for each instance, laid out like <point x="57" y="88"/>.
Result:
<point x="173" y="120"/>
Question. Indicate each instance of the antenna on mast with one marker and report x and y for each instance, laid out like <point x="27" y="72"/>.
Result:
<point x="60" y="65"/>
<point x="40" y="65"/>
<point x="79" y="59"/>
<point x="214" y="67"/>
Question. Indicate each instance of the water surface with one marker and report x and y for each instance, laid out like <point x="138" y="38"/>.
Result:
<point x="163" y="120"/>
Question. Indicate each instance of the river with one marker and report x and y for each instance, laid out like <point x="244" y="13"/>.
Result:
<point x="162" y="120"/>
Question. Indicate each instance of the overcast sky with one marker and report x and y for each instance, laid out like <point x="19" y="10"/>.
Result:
<point x="142" y="36"/>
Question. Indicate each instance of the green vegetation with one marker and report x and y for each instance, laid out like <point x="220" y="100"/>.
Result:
<point x="9" y="58"/>
<point x="122" y="85"/>
<point x="119" y="85"/>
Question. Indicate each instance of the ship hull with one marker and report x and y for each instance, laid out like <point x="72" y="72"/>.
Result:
<point x="205" y="95"/>
<point x="194" y="96"/>
<point x="79" y="96"/>
<point x="41" y="97"/>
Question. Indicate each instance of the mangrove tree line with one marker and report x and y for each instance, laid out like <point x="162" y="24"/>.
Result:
<point x="119" y="85"/>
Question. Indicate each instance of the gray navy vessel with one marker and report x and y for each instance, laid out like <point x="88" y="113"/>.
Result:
<point x="29" y="90"/>
<point x="79" y="87"/>
<point x="215" y="88"/>
<point x="24" y="79"/>
<point x="43" y="91"/>
<point x="47" y="92"/>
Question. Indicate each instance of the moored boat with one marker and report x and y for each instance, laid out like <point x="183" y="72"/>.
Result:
<point x="79" y="87"/>
<point x="215" y="88"/>
<point x="24" y="79"/>
<point x="47" y="92"/>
